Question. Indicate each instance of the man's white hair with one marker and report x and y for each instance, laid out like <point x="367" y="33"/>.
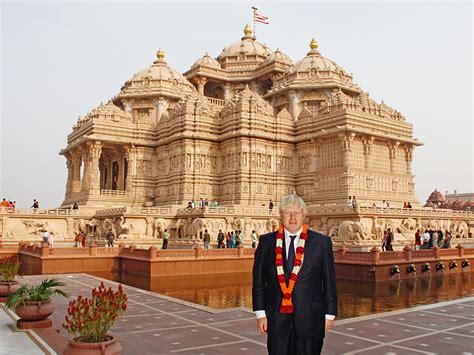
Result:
<point x="292" y="200"/>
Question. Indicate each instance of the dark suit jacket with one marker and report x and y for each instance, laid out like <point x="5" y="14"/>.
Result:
<point x="314" y="295"/>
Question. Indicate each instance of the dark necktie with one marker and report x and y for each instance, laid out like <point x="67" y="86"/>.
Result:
<point x="291" y="254"/>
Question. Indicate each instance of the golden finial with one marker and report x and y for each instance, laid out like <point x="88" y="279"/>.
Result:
<point x="248" y="31"/>
<point x="313" y="44"/>
<point x="160" y="54"/>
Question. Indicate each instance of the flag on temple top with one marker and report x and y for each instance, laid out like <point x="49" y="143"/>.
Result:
<point x="260" y="18"/>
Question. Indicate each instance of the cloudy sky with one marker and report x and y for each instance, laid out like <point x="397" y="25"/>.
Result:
<point x="60" y="60"/>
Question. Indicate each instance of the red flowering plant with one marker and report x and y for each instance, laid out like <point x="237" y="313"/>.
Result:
<point x="92" y="318"/>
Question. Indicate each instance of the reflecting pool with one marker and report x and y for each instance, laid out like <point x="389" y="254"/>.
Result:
<point x="355" y="298"/>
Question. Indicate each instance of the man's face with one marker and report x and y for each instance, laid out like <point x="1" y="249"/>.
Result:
<point x="292" y="218"/>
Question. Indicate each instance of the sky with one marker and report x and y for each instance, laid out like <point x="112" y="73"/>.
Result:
<point x="59" y="60"/>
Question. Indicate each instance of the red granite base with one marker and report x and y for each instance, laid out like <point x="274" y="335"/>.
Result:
<point x="23" y="324"/>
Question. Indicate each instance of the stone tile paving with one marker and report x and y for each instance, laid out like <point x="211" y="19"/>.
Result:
<point x="157" y="324"/>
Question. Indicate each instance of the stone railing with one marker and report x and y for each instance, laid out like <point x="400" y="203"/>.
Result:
<point x="237" y="211"/>
<point x="117" y="211"/>
<point x="337" y="209"/>
<point x="48" y="211"/>
<point x="217" y="102"/>
<point x="151" y="210"/>
<point x="120" y="193"/>
<point x="377" y="257"/>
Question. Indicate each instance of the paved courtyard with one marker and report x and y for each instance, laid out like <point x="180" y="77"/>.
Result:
<point x="156" y="324"/>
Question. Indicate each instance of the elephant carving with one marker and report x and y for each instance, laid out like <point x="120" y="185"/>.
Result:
<point x="349" y="230"/>
<point x="408" y="225"/>
<point x="159" y="225"/>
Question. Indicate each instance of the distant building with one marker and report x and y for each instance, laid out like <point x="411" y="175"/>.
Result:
<point x="464" y="201"/>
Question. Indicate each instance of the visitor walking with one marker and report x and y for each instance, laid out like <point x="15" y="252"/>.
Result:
<point x="110" y="238"/>
<point x="228" y="240"/>
<point x="254" y="239"/>
<point x="388" y="245"/>
<point x="270" y="206"/>
<point x="206" y="239"/>
<point x="50" y="240"/>
<point x="426" y="239"/>
<point x="79" y="239"/>
<point x="417" y="240"/>
<point x="354" y="203"/>
<point x="45" y="237"/>
<point x="166" y="236"/>
<point x="220" y="240"/>
<point x="233" y="241"/>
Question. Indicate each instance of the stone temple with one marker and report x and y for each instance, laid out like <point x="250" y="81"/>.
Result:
<point x="245" y="128"/>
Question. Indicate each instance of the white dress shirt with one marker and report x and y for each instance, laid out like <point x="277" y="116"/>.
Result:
<point x="261" y="313"/>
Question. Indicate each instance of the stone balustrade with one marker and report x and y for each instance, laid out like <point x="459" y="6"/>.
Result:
<point x="222" y="210"/>
<point x="376" y="256"/>
<point x="39" y="212"/>
<point x="112" y="193"/>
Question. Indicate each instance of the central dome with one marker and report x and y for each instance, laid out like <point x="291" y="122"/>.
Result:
<point x="248" y="46"/>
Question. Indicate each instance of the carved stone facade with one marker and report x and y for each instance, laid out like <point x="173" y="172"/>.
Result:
<point x="244" y="128"/>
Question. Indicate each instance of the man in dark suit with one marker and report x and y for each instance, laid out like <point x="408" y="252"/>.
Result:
<point x="294" y="285"/>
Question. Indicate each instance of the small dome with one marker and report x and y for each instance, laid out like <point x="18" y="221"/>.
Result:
<point x="315" y="60"/>
<point x="160" y="71"/>
<point x="207" y="61"/>
<point x="436" y="196"/>
<point x="247" y="46"/>
<point x="278" y="56"/>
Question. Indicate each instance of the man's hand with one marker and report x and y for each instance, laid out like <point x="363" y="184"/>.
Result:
<point x="262" y="325"/>
<point x="329" y="324"/>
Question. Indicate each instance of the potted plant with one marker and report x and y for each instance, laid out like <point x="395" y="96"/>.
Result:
<point x="9" y="267"/>
<point x="92" y="318"/>
<point x="33" y="303"/>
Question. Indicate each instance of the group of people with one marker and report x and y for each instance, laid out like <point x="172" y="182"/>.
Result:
<point x="352" y="202"/>
<point x="388" y="238"/>
<point x="8" y="203"/>
<point x="231" y="239"/>
<point x="431" y="238"/>
<point x="203" y="203"/>
<point x="80" y="239"/>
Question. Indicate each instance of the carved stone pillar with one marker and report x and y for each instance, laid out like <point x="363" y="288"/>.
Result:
<point x="227" y="92"/>
<point x="95" y="149"/>
<point x="161" y="107"/>
<point x="76" y="177"/>
<point x="293" y="99"/>
<point x="200" y="82"/>
<point x="130" y="155"/>
<point x="392" y="151"/>
<point x="368" y="143"/>
<point x="317" y="154"/>
<point x="87" y="171"/>
<point x="70" y="173"/>
<point x="408" y="158"/>
<point x="346" y="141"/>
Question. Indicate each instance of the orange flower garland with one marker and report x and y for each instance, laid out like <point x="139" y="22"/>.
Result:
<point x="286" y="303"/>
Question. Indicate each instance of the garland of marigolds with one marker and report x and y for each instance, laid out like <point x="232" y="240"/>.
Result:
<point x="286" y="303"/>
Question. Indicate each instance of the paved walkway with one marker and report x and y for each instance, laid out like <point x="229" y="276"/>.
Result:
<point x="156" y="324"/>
<point x="16" y="342"/>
